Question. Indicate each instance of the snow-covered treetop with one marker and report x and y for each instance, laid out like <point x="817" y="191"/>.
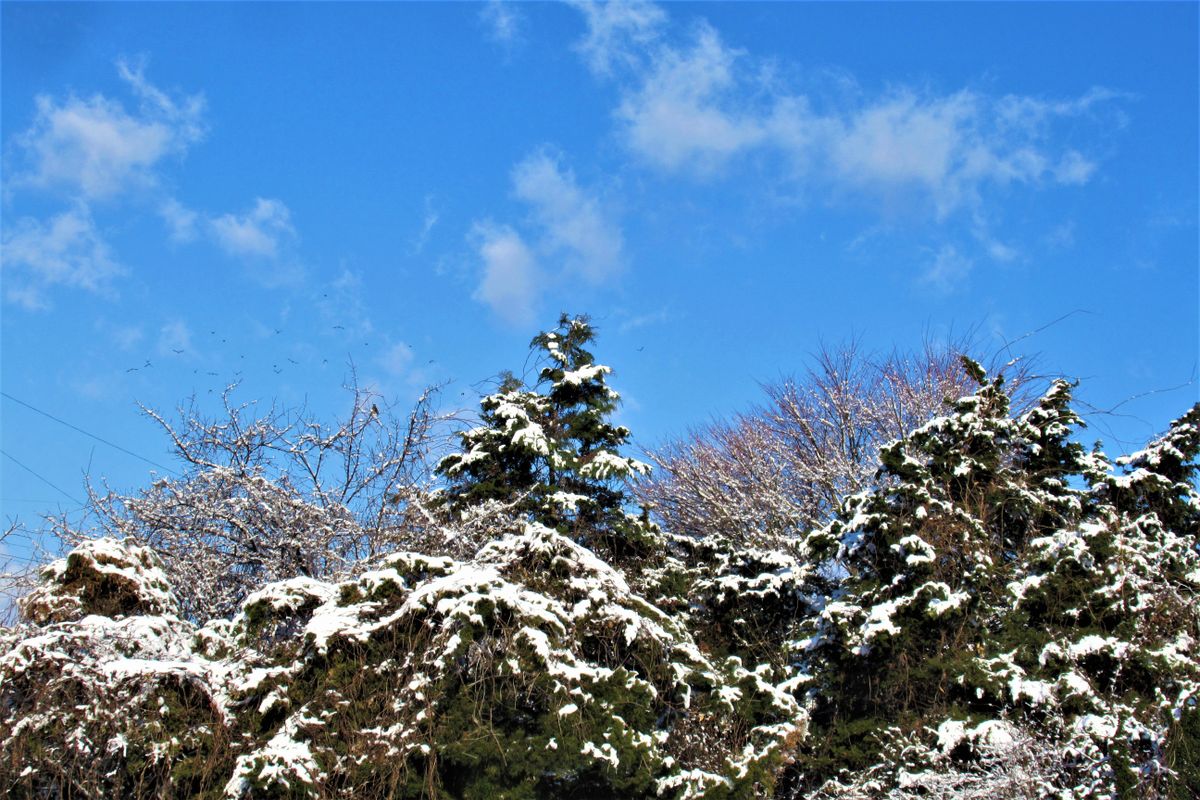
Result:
<point x="101" y="576"/>
<point x="552" y="451"/>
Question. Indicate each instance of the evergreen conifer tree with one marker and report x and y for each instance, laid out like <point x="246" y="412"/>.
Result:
<point x="1006" y="587"/>
<point x="927" y="559"/>
<point x="1162" y="478"/>
<point x="552" y="453"/>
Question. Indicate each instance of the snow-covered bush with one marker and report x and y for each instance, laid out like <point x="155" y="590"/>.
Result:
<point x="530" y="670"/>
<point x="101" y="576"/>
<point x="735" y="499"/>
<point x="102" y="695"/>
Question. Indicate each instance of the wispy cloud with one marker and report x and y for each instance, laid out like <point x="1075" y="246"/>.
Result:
<point x="693" y="104"/>
<point x="643" y="320"/>
<point x="181" y="221"/>
<point x="675" y="117"/>
<point x="571" y="220"/>
<point x="174" y="338"/>
<point x="259" y="233"/>
<point x="342" y="306"/>
<point x="567" y="226"/>
<point x="125" y="337"/>
<point x="948" y="269"/>
<point x="1062" y="236"/>
<point x="511" y="283"/>
<point x="503" y="22"/>
<point x="617" y="33"/>
<point x="428" y="221"/>
<point x="97" y="147"/>
<point x="66" y="251"/>
<point x="397" y="360"/>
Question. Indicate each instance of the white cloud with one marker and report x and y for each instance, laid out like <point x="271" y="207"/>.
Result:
<point x="96" y="147"/>
<point x="949" y="149"/>
<point x="511" y="283"/>
<point x="181" y="220"/>
<point x="1074" y="168"/>
<point x="694" y="107"/>
<point x="1062" y="236"/>
<point x="617" y="32"/>
<point x="675" y="119"/>
<point x="342" y="306"/>
<point x="66" y="251"/>
<point x="174" y="338"/>
<point x="126" y="336"/>
<point x="948" y="269"/>
<point x="397" y="359"/>
<point x="428" y="222"/>
<point x="257" y="233"/>
<point x="999" y="251"/>
<point x="643" y="320"/>
<point x="570" y="229"/>
<point x="901" y="141"/>
<point x="573" y="223"/>
<point x="503" y="22"/>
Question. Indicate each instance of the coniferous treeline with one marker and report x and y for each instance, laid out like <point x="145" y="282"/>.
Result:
<point x="990" y="610"/>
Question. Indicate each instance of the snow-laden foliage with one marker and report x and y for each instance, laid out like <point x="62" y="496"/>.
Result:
<point x="103" y="577"/>
<point x="101" y="692"/>
<point x="996" y="614"/>
<point x="552" y="453"/>
<point x="982" y="587"/>
<point x="530" y="670"/>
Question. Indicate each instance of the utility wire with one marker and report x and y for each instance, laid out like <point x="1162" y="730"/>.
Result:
<point x="85" y="433"/>
<point x="6" y="557"/>
<point x="40" y="478"/>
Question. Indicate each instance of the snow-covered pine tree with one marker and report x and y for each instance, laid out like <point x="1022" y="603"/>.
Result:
<point x="927" y="558"/>
<point x="1002" y="627"/>
<point x="1162" y="478"/>
<point x="552" y="453"/>
<point x="1102" y="639"/>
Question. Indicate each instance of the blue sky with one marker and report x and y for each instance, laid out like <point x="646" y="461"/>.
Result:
<point x="198" y="193"/>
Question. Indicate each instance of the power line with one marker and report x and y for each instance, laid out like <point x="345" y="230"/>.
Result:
<point x="6" y="557"/>
<point x="85" y="433"/>
<point x="40" y="478"/>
